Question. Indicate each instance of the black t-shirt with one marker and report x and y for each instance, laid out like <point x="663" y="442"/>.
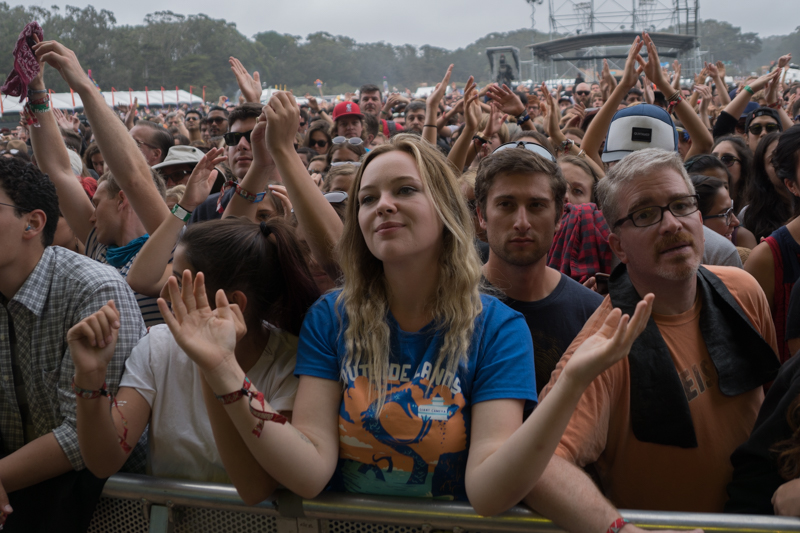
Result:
<point x="555" y="321"/>
<point x="793" y="314"/>
<point x="208" y="209"/>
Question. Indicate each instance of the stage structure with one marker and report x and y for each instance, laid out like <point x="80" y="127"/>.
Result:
<point x="583" y="33"/>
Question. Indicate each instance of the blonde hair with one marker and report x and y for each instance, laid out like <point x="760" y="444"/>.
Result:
<point x="365" y="295"/>
<point x="502" y="133"/>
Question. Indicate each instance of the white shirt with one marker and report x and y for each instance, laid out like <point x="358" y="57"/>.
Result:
<point x="180" y="441"/>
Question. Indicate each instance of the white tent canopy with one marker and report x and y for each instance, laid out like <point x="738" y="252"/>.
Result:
<point x="64" y="101"/>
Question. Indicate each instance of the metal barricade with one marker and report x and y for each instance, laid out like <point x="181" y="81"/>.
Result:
<point x="143" y="504"/>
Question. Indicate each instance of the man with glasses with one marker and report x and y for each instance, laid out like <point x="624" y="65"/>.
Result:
<point x="241" y="120"/>
<point x="582" y="94"/>
<point x="179" y="164"/>
<point x="192" y="123"/>
<point x="153" y="141"/>
<point x="661" y="424"/>
<point x="217" y="121"/>
<point x="760" y="122"/>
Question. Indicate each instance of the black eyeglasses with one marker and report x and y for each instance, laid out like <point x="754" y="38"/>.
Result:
<point x="537" y="149"/>
<point x="216" y="120"/>
<point x="648" y="216"/>
<point x="729" y="160"/>
<point x="17" y="207"/>
<point x="582" y="93"/>
<point x="321" y="143"/>
<point x="303" y="124"/>
<point x="232" y="138"/>
<point x="142" y="143"/>
<point x="727" y="215"/>
<point x="756" y="129"/>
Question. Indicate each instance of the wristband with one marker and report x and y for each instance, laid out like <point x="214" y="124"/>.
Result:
<point x="428" y="126"/>
<point x="250" y="197"/>
<point x="565" y="144"/>
<point x="261" y="414"/>
<point x="36" y="91"/>
<point x="774" y="105"/>
<point x="523" y="119"/>
<point x="91" y="395"/>
<point x="748" y="89"/>
<point x="181" y="213"/>
<point x="618" y="524"/>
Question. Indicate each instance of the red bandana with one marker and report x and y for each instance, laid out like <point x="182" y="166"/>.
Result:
<point x="25" y="65"/>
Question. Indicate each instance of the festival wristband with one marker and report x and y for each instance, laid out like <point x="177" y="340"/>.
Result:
<point x="750" y="90"/>
<point x="617" y="525"/>
<point x="88" y="394"/>
<point x="523" y="119"/>
<point x="181" y="213"/>
<point x="247" y="195"/>
<point x="261" y="414"/>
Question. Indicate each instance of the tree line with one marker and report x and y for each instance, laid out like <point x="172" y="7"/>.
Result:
<point x="170" y="49"/>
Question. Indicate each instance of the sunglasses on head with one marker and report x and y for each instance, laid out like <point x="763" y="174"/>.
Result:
<point x="340" y="163"/>
<point x="232" y="138"/>
<point x="319" y="143"/>
<point x="537" y="149"/>
<point x="355" y="141"/>
<point x="756" y="129"/>
<point x="335" y="197"/>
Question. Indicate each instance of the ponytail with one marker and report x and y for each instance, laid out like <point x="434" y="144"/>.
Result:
<point x="264" y="261"/>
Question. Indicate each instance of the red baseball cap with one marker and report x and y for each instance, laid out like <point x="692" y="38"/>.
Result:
<point x="346" y="109"/>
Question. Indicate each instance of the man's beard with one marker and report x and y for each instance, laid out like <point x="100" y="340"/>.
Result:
<point x="681" y="269"/>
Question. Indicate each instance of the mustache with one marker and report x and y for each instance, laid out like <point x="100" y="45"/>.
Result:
<point x="671" y="241"/>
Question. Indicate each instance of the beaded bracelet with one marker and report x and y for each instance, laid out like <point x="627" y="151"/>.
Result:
<point x="247" y="195"/>
<point x="88" y="394"/>
<point x="261" y="414"/>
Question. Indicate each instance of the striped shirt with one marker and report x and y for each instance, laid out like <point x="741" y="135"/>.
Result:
<point x="147" y="305"/>
<point x="63" y="289"/>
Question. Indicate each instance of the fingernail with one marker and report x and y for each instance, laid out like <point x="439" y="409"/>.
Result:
<point x="116" y="324"/>
<point x="8" y="509"/>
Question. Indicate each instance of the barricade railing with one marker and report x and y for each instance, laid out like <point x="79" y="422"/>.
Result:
<point x="143" y="504"/>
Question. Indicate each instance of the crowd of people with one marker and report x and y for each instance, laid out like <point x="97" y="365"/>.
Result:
<point x="577" y="298"/>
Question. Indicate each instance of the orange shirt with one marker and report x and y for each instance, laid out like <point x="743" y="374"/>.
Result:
<point x="643" y="475"/>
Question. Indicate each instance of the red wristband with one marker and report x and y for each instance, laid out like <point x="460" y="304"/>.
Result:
<point x="618" y="524"/>
<point x="261" y="414"/>
<point x="87" y="394"/>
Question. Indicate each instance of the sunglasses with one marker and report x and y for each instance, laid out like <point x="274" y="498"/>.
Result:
<point x="216" y="120"/>
<point x="531" y="147"/>
<point x="355" y="141"/>
<point x="335" y="197"/>
<point x="729" y="160"/>
<point x="582" y="93"/>
<point x="302" y="124"/>
<point x="756" y="129"/>
<point x="232" y="138"/>
<point x="321" y="143"/>
<point x="176" y="176"/>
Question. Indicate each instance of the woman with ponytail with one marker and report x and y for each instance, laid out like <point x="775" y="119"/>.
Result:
<point x="261" y="270"/>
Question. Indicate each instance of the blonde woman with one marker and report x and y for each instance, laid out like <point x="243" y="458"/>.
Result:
<point x="412" y="382"/>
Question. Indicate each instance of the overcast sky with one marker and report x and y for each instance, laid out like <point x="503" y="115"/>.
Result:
<point x="452" y="24"/>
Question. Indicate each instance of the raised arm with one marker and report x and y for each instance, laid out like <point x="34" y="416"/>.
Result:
<point x="320" y="223"/>
<point x="596" y="132"/>
<point x="106" y="438"/>
<point x="119" y="149"/>
<point x="773" y="100"/>
<point x="430" y="130"/>
<point x="510" y="104"/>
<point x="249" y="85"/>
<point x="458" y="156"/>
<point x="301" y="454"/>
<point x="53" y="159"/>
<point x="702" y="141"/>
<point x="151" y="269"/>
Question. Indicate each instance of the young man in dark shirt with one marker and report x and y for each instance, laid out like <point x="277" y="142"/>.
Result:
<point x="520" y="197"/>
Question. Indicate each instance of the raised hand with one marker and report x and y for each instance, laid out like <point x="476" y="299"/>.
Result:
<point x="282" y="118"/>
<point x="199" y="185"/>
<point x="652" y="67"/>
<point x="631" y="73"/>
<point x="279" y="192"/>
<point x="92" y="342"/>
<point x="438" y="92"/>
<point x="764" y="80"/>
<point x="552" y="116"/>
<point x="508" y="101"/>
<point x="712" y="70"/>
<point x="609" y="344"/>
<point x="207" y="336"/>
<point x="495" y="122"/>
<point x="312" y="103"/>
<point x="472" y="111"/>
<point x="721" y="69"/>
<point x="784" y="60"/>
<point x="63" y="120"/>
<point x="65" y="62"/>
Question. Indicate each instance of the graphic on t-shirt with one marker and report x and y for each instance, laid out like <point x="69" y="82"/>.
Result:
<point x="418" y="445"/>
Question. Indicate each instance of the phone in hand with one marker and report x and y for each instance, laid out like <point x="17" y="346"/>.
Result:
<point x="601" y="283"/>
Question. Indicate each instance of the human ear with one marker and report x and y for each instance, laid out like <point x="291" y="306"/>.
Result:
<point x="616" y="246"/>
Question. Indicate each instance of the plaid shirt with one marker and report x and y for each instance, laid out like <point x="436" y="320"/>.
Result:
<point x="63" y="289"/>
<point x="580" y="246"/>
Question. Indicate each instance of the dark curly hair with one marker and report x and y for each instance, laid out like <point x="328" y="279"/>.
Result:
<point x="785" y="160"/>
<point x="30" y="190"/>
<point x="768" y="209"/>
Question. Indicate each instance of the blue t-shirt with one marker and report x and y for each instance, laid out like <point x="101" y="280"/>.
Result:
<point x="419" y="445"/>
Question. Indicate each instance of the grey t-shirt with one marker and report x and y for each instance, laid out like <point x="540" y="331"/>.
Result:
<point x="719" y="250"/>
